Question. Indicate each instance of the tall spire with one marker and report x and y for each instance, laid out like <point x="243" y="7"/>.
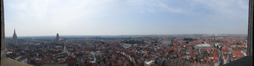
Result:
<point x="57" y="38"/>
<point x="15" y="38"/>
<point x="15" y="32"/>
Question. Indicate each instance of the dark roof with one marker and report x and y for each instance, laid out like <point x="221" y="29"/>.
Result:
<point x="244" y="61"/>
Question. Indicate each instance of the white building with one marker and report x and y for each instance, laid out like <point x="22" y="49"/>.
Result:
<point x="203" y="46"/>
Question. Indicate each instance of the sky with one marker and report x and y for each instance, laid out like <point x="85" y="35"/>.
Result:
<point x="125" y="17"/>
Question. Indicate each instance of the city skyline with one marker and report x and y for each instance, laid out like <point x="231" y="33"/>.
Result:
<point x="126" y="17"/>
<point x="115" y="36"/>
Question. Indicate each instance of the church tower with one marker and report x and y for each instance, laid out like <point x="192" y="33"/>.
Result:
<point x="15" y="38"/>
<point x="65" y="50"/>
<point x="57" y="38"/>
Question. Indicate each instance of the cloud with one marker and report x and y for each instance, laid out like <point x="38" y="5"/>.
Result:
<point x="170" y="9"/>
<point x="223" y="7"/>
<point x="52" y="15"/>
<point x="47" y="17"/>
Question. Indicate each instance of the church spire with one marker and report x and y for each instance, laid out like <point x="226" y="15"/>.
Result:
<point x="57" y="38"/>
<point x="14" y="31"/>
<point x="14" y="34"/>
<point x="15" y="38"/>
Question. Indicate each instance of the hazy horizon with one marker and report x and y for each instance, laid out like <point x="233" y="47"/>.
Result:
<point x="125" y="17"/>
<point x="120" y="35"/>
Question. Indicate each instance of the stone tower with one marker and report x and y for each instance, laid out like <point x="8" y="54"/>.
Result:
<point x="65" y="50"/>
<point x="57" y="38"/>
<point x="15" y="38"/>
<point x="3" y="53"/>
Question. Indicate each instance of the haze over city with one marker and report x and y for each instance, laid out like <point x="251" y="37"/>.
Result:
<point x="125" y="17"/>
<point x="126" y="32"/>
